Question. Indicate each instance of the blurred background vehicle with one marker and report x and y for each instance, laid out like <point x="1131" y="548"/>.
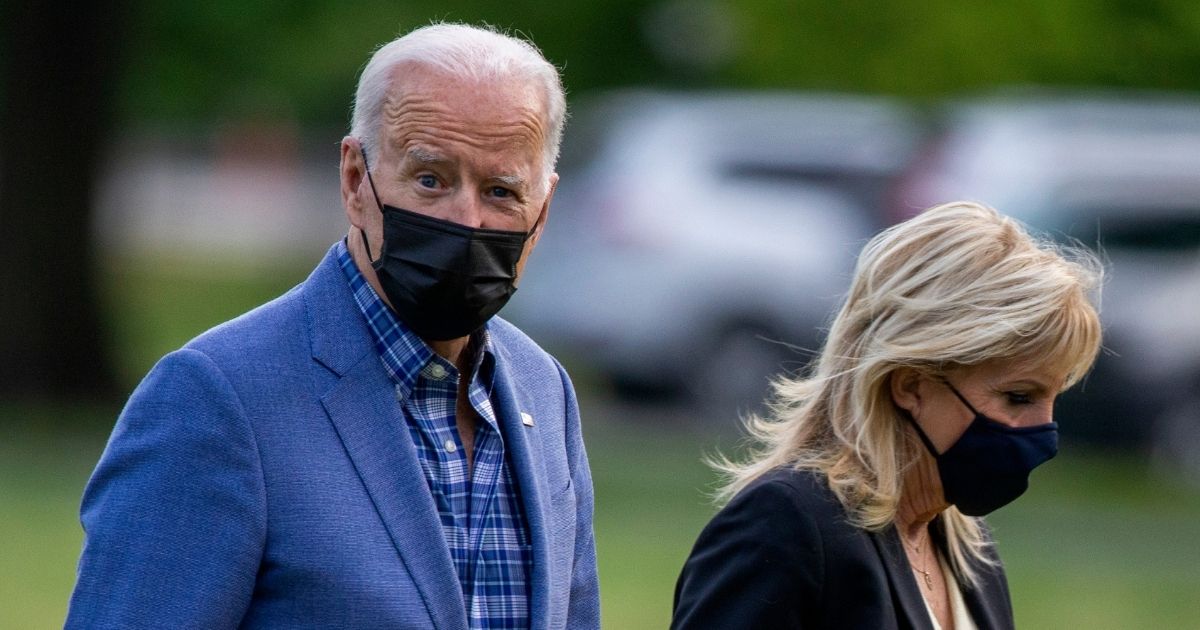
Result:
<point x="700" y="241"/>
<point x="211" y="187"/>
<point x="1119" y="174"/>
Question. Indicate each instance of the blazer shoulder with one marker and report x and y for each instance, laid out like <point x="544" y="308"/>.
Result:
<point x="263" y="331"/>
<point x="511" y="337"/>
<point x="761" y="561"/>
<point x="805" y="491"/>
<point x="282" y="326"/>
<point x="523" y="353"/>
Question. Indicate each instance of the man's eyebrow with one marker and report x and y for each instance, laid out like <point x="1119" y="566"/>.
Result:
<point x="512" y="181"/>
<point x="428" y="158"/>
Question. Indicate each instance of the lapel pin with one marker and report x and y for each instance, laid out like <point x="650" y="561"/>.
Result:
<point x="526" y="419"/>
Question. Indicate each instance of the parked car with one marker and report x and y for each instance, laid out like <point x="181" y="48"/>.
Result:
<point x="697" y="243"/>
<point x="1119" y="174"/>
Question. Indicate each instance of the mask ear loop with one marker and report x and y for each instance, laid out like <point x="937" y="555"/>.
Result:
<point x="378" y="203"/>
<point x="921" y="434"/>
<point x="962" y="398"/>
<point x="529" y="234"/>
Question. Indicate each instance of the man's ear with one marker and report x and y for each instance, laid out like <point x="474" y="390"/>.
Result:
<point x="905" y="384"/>
<point x="352" y="170"/>
<point x="540" y="224"/>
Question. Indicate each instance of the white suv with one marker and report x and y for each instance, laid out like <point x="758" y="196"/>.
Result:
<point x="1120" y="173"/>
<point x="694" y="238"/>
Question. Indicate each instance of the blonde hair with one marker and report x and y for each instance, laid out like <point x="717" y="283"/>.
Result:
<point x="957" y="285"/>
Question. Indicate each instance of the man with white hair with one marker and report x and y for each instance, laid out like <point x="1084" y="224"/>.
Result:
<point x="373" y="449"/>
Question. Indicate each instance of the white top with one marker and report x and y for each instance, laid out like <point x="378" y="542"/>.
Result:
<point x="958" y="607"/>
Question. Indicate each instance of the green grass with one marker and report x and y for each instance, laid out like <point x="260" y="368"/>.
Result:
<point x="1096" y="543"/>
<point x="650" y="505"/>
<point x="156" y="306"/>
<point x="42" y="472"/>
<point x="1099" y="543"/>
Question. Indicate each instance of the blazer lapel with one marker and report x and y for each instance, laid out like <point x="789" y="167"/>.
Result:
<point x="981" y="606"/>
<point x="368" y="420"/>
<point x="360" y="401"/>
<point x="989" y="604"/>
<point x="906" y="595"/>
<point x="526" y="459"/>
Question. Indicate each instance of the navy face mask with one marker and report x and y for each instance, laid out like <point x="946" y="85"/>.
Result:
<point x="988" y="467"/>
<point x="444" y="280"/>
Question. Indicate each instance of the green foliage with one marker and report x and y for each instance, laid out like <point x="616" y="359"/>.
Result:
<point x="939" y="47"/>
<point x="298" y="60"/>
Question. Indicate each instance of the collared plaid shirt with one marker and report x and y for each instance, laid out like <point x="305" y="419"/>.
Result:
<point x="482" y="518"/>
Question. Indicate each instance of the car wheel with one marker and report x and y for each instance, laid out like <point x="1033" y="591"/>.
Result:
<point x="735" y="375"/>
<point x="1175" y="449"/>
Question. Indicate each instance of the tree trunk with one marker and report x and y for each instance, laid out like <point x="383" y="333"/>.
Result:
<point x="59" y="78"/>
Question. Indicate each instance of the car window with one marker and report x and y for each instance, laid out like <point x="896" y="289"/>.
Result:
<point x="864" y="188"/>
<point x="1135" y="228"/>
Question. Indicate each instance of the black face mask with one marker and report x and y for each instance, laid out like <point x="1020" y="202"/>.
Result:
<point x="444" y="280"/>
<point x="988" y="467"/>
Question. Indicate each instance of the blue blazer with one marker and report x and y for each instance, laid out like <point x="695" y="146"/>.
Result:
<point x="263" y="477"/>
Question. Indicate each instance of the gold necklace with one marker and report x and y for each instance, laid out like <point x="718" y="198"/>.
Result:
<point x="916" y="549"/>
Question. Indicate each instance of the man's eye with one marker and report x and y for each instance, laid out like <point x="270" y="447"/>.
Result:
<point x="428" y="181"/>
<point x="1018" y="398"/>
<point x="501" y="192"/>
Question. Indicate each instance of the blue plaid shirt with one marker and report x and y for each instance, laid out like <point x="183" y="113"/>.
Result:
<point x="482" y="518"/>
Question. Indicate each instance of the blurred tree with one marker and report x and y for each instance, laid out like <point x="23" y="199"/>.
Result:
<point x="191" y="63"/>
<point x="58" y="65"/>
<point x="937" y="48"/>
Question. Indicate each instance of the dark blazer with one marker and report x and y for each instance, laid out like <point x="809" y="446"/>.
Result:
<point x="263" y="477"/>
<point x="782" y="555"/>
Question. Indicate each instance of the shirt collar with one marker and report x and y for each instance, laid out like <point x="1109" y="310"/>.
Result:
<point x="405" y="355"/>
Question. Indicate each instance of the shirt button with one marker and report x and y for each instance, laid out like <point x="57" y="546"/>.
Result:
<point x="450" y="445"/>
<point x="437" y="372"/>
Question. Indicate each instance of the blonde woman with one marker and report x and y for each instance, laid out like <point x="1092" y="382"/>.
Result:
<point x="927" y="408"/>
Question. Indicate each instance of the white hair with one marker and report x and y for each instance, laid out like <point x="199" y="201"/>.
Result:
<point x="957" y="285"/>
<point x="465" y="52"/>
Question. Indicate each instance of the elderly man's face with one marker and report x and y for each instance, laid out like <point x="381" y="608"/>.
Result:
<point x="467" y="152"/>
